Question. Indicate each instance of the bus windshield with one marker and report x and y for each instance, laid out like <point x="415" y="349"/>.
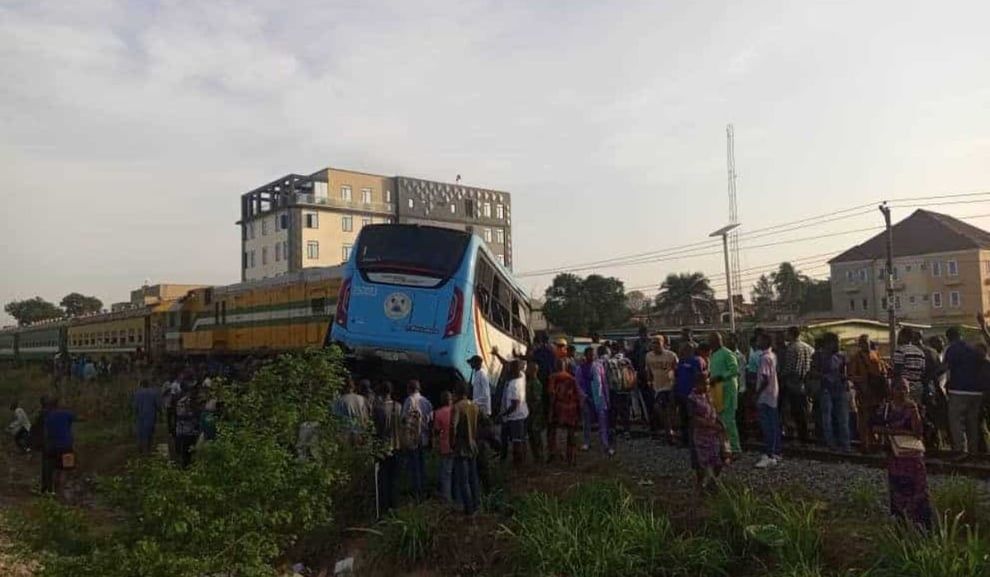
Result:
<point x="415" y="251"/>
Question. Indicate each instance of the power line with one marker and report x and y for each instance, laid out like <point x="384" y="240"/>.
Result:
<point x="686" y="250"/>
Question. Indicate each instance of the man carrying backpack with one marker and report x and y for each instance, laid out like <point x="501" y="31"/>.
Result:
<point x="417" y="413"/>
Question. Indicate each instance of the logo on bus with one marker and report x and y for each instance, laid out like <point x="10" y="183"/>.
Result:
<point x="397" y="306"/>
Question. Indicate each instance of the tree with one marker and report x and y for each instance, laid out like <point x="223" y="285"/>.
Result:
<point x="817" y="296"/>
<point x="763" y="296"/>
<point x="582" y="306"/>
<point x="687" y="297"/>
<point x="76" y="304"/>
<point x="32" y="310"/>
<point x="637" y="301"/>
<point x="789" y="284"/>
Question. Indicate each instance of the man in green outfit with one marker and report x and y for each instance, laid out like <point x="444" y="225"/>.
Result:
<point x="724" y="370"/>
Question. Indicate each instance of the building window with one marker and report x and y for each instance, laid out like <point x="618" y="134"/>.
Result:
<point x="347" y="223"/>
<point x="285" y="249"/>
<point x="388" y="195"/>
<point x="936" y="268"/>
<point x="852" y="304"/>
<point x="986" y="266"/>
<point x="954" y="299"/>
<point x="469" y="208"/>
<point x="252" y="259"/>
<point x="487" y="233"/>
<point x="897" y="302"/>
<point x="365" y="222"/>
<point x="883" y="303"/>
<point x="345" y="193"/>
<point x="499" y="211"/>
<point x="320" y="189"/>
<point x="501" y="259"/>
<point x="251" y="230"/>
<point x="264" y="227"/>
<point x="937" y="300"/>
<point x="895" y="273"/>
<point x="278" y="251"/>
<point x="312" y="220"/>
<point x="366" y="195"/>
<point x="924" y="297"/>
<point x="862" y="275"/>
<point x="911" y="299"/>
<point x="866" y="304"/>
<point x="952" y="267"/>
<point x="264" y="255"/>
<point x="907" y="268"/>
<point x="313" y="249"/>
<point x="453" y="208"/>
<point x="486" y="209"/>
<point x="411" y="203"/>
<point x="500" y="236"/>
<point x="849" y="275"/>
<point x="283" y="220"/>
<point x="345" y="253"/>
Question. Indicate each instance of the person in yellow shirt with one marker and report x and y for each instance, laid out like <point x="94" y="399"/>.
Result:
<point x="660" y="365"/>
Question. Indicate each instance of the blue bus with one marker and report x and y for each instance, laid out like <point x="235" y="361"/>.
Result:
<point x="419" y="301"/>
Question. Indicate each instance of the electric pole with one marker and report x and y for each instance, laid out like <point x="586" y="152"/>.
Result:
<point x="891" y="319"/>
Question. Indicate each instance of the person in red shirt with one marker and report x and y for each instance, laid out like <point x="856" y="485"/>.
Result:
<point x="565" y="412"/>
<point x="441" y="440"/>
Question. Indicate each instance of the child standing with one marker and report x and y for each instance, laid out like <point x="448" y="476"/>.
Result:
<point x="706" y="437"/>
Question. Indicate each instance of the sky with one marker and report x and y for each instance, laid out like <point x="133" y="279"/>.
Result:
<point x="129" y="130"/>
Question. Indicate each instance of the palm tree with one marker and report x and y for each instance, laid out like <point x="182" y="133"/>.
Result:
<point x="686" y="297"/>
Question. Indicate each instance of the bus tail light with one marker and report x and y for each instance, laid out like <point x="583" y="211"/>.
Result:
<point x="455" y="315"/>
<point x="343" y="302"/>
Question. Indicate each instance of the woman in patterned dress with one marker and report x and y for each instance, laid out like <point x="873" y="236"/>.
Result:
<point x="707" y="431"/>
<point x="907" y="479"/>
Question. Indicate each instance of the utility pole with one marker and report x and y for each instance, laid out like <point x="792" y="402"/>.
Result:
<point x="891" y="319"/>
<point x="724" y="233"/>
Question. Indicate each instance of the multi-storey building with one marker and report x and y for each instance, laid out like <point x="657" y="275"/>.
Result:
<point x="941" y="269"/>
<point x="300" y="221"/>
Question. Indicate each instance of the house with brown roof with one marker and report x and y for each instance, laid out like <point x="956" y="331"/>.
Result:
<point x="941" y="269"/>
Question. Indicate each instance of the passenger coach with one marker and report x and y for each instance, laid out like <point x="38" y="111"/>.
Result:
<point x="421" y="300"/>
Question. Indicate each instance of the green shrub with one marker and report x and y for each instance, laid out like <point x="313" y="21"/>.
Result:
<point x="952" y="549"/>
<point x="51" y="525"/>
<point x="599" y="529"/>
<point x="409" y="535"/>
<point x="246" y="499"/>
<point x="959" y="495"/>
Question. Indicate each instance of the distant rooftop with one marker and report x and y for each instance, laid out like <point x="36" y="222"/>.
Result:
<point x="923" y="232"/>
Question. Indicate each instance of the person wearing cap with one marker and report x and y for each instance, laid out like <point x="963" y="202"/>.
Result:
<point x="481" y="389"/>
<point x="561" y="348"/>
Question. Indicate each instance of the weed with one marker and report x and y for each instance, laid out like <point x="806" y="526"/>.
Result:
<point x="952" y="549"/>
<point x="963" y="496"/>
<point x="409" y="535"/>
<point x="599" y="529"/>
<point x="864" y="498"/>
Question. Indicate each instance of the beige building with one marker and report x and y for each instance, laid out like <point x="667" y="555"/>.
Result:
<point x="301" y="221"/>
<point x="941" y="270"/>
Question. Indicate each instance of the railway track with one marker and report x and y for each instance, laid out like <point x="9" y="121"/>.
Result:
<point x="936" y="462"/>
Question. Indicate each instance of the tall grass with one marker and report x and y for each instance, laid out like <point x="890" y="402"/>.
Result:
<point x="962" y="496"/>
<point x="952" y="549"/>
<point x="600" y="530"/>
<point x="864" y="498"/>
<point x="409" y="535"/>
<point x="789" y="529"/>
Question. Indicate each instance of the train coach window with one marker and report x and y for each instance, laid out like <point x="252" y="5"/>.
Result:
<point x="318" y="306"/>
<point x="216" y="313"/>
<point x="207" y="296"/>
<point x="223" y="312"/>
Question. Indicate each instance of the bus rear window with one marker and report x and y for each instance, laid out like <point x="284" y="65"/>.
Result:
<point x="410" y="250"/>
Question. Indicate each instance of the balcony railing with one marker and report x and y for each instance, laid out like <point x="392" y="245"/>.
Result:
<point x="345" y="204"/>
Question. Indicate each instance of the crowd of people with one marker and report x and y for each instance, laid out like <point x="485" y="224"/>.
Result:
<point x="708" y="398"/>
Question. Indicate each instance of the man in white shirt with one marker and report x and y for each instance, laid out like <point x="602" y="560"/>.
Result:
<point x="481" y="389"/>
<point x="20" y="427"/>
<point x="515" y="411"/>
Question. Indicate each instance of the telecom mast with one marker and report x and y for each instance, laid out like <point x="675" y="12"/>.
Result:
<point x="733" y="211"/>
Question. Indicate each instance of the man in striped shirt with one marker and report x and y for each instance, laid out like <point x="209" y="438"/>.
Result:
<point x="909" y="362"/>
